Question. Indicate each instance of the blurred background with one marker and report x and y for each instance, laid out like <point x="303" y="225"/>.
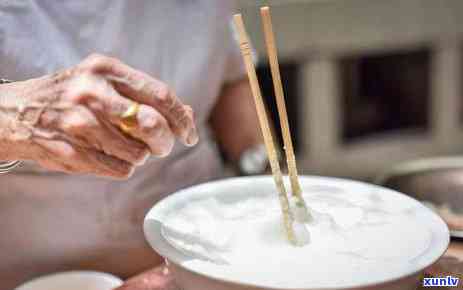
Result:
<point x="369" y="83"/>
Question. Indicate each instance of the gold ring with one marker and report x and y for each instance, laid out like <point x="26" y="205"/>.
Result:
<point x="129" y="119"/>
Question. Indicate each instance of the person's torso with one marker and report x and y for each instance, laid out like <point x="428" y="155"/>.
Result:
<point x="52" y="222"/>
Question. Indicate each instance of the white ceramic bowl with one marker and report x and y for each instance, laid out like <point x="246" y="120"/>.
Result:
<point x="74" y="280"/>
<point x="232" y="189"/>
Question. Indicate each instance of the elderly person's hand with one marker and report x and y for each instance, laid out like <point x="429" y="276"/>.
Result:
<point x="71" y="121"/>
<point x="156" y="279"/>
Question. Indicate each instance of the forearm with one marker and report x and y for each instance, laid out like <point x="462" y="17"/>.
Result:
<point x="234" y="120"/>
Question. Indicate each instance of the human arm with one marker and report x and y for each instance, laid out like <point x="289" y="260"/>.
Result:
<point x="69" y="121"/>
<point x="234" y="120"/>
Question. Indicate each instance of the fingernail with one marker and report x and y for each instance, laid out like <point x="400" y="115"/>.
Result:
<point x="192" y="138"/>
<point x="131" y="172"/>
<point x="145" y="158"/>
<point x="162" y="147"/>
<point x="165" y="271"/>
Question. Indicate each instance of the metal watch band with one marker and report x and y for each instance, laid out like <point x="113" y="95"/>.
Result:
<point x="5" y="81"/>
<point x="7" y="166"/>
<point x="254" y="161"/>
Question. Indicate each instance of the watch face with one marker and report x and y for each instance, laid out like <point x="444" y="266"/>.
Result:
<point x="254" y="161"/>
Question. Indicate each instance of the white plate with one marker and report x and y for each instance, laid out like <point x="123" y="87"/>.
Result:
<point x="74" y="280"/>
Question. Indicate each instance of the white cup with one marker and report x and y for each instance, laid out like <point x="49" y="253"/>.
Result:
<point x="74" y="280"/>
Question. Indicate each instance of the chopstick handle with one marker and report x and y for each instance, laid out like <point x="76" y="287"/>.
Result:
<point x="246" y="52"/>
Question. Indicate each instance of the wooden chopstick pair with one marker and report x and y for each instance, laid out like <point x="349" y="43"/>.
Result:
<point x="301" y="213"/>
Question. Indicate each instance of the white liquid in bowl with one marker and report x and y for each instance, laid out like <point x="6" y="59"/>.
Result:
<point x="358" y="237"/>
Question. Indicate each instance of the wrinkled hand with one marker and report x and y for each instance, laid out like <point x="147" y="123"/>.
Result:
<point x="156" y="279"/>
<point x="69" y="121"/>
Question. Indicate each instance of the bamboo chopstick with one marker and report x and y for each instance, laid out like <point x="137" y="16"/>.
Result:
<point x="303" y="212"/>
<point x="265" y="127"/>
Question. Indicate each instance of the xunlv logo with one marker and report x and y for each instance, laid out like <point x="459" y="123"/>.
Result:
<point x="448" y="281"/>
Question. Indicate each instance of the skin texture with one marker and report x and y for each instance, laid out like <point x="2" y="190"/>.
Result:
<point x="69" y="121"/>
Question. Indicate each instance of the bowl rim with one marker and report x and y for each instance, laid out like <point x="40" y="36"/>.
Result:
<point x="109" y="278"/>
<point x="158" y="243"/>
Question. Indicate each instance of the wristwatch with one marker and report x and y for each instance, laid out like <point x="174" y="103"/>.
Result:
<point x="7" y="166"/>
<point x="254" y="161"/>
